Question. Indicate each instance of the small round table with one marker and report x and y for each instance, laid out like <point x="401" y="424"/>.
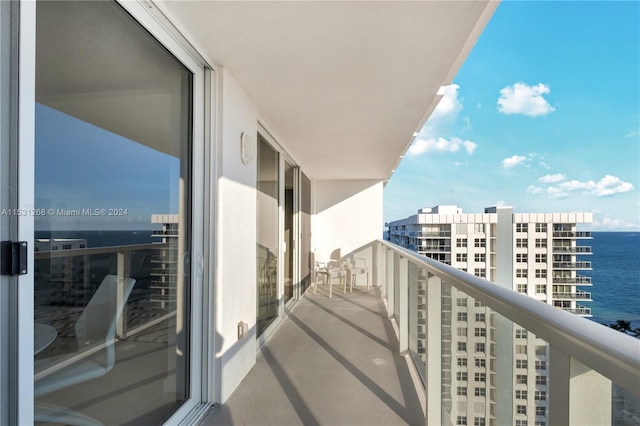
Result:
<point x="43" y="336"/>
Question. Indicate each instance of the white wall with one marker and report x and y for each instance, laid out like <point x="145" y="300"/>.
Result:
<point x="348" y="214"/>
<point x="236" y="238"/>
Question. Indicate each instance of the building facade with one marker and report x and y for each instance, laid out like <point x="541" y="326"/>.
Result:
<point x="535" y="254"/>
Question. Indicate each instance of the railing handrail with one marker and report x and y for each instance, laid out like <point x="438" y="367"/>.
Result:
<point x="54" y="254"/>
<point x="613" y="354"/>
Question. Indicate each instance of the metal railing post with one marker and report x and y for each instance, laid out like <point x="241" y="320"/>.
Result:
<point x="580" y="395"/>
<point x="402" y="317"/>
<point x="434" y="351"/>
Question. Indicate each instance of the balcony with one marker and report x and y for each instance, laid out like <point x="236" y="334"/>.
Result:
<point x="572" y="250"/>
<point x="571" y="265"/>
<point x="578" y="280"/>
<point x="426" y="234"/>
<point x="578" y="295"/>
<point x="571" y="234"/>
<point x="579" y="310"/>
<point x="370" y="357"/>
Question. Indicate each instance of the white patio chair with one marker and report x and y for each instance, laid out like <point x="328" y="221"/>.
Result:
<point x="330" y="268"/>
<point x="357" y="266"/>
<point x="96" y="326"/>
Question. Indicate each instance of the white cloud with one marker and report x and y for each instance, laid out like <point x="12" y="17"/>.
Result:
<point x="558" y="177"/>
<point x="534" y="190"/>
<point x="444" y="114"/>
<point x="523" y="99"/>
<point x="423" y="146"/>
<point x="608" y="185"/>
<point x="609" y="223"/>
<point x="544" y="165"/>
<point x="556" y="193"/>
<point x="513" y="161"/>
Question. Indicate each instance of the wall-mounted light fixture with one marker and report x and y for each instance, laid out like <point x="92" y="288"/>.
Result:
<point x="247" y="147"/>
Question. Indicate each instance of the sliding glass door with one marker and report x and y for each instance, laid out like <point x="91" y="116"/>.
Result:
<point x="283" y="233"/>
<point x="290" y="229"/>
<point x="112" y="220"/>
<point x="268" y="234"/>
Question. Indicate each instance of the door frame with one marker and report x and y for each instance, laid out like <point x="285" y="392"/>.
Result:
<point x="159" y="27"/>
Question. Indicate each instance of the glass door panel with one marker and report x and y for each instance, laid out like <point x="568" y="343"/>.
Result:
<point x="305" y="233"/>
<point x="289" y="230"/>
<point x="112" y="219"/>
<point x="268" y="244"/>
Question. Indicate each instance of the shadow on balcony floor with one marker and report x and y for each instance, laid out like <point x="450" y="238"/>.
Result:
<point x="331" y="362"/>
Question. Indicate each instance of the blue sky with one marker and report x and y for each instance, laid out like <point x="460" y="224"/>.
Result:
<point x="81" y="166"/>
<point x="544" y="116"/>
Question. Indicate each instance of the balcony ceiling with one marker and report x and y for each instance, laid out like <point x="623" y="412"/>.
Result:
<point x="342" y="84"/>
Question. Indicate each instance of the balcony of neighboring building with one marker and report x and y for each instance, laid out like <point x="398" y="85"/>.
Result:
<point x="577" y="295"/>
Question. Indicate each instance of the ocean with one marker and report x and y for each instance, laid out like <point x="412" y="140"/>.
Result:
<point x="615" y="277"/>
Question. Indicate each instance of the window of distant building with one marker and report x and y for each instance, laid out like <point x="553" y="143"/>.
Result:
<point x="521" y="227"/>
<point x="541" y="227"/>
<point x="541" y="258"/>
<point x="541" y="273"/>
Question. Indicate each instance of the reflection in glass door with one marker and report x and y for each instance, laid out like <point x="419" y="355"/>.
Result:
<point x="304" y="244"/>
<point x="112" y="228"/>
<point x="268" y="235"/>
<point x="289" y="230"/>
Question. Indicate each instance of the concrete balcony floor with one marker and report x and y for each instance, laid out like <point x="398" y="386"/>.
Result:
<point x="331" y="362"/>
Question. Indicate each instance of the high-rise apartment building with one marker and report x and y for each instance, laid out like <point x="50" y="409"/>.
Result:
<point x="532" y="253"/>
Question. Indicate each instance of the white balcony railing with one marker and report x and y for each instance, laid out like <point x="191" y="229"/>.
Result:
<point x="463" y="332"/>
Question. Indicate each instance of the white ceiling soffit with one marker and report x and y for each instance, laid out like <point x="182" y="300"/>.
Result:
<point x="343" y="85"/>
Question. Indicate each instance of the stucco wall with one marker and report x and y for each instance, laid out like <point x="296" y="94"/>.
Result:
<point x="236" y="238"/>
<point x="348" y="214"/>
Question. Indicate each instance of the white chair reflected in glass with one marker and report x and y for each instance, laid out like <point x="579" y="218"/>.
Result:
<point x="95" y="330"/>
<point x="330" y="268"/>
